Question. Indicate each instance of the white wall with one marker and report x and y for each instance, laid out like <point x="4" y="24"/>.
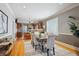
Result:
<point x="63" y="20"/>
<point x="60" y="24"/>
<point x="52" y="26"/>
<point x="5" y="9"/>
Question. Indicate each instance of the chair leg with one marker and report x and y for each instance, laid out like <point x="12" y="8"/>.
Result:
<point x="47" y="52"/>
<point x="33" y="44"/>
<point x="42" y="48"/>
<point x="53" y="51"/>
<point x="35" y="47"/>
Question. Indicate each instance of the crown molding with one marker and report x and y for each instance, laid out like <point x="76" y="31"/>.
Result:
<point x="10" y="9"/>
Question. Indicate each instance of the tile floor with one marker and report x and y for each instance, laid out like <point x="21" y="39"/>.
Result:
<point x="58" y="51"/>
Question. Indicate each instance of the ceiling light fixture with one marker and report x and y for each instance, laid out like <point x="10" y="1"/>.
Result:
<point x="24" y="6"/>
<point x="60" y="3"/>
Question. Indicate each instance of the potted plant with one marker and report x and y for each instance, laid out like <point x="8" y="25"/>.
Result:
<point x="74" y="27"/>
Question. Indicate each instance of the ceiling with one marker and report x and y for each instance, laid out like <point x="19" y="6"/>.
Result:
<point x="36" y="11"/>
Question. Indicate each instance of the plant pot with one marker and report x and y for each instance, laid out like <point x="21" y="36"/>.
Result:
<point x="76" y="33"/>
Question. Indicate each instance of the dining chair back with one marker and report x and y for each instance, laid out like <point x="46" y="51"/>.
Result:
<point x="50" y="44"/>
<point x="34" y="41"/>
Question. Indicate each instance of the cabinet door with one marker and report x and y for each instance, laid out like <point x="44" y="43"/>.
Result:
<point x="27" y="36"/>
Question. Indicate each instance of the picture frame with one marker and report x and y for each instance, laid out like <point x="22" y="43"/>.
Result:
<point x="3" y="23"/>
